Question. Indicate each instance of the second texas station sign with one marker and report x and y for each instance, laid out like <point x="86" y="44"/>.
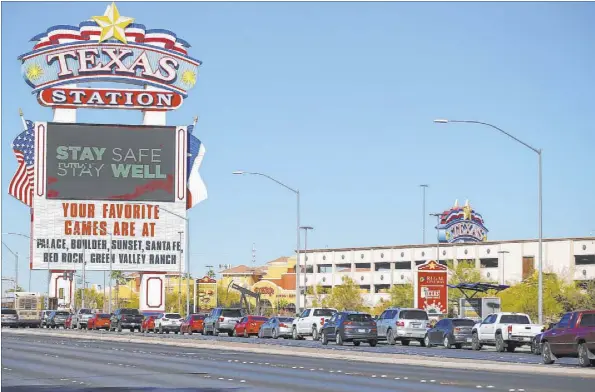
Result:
<point x="109" y="48"/>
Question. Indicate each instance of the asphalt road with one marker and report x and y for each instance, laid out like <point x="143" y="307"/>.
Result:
<point x="521" y="355"/>
<point x="30" y="361"/>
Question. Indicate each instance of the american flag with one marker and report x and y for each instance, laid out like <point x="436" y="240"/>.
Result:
<point x="21" y="185"/>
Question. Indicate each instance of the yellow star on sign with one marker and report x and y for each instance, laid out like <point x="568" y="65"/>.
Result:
<point x="112" y="24"/>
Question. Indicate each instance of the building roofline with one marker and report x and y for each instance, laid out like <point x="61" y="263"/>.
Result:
<point x="443" y="245"/>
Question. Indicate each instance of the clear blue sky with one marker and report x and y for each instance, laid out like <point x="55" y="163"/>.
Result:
<point x="337" y="99"/>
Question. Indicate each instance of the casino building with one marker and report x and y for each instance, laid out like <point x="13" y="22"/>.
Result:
<point x="463" y="236"/>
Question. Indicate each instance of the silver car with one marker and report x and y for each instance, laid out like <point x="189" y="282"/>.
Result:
<point x="222" y="320"/>
<point x="276" y="327"/>
<point x="403" y="324"/>
<point x="10" y="318"/>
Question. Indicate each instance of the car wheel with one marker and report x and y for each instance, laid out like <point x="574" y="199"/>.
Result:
<point x="546" y="354"/>
<point x="190" y="331"/>
<point x="390" y="337"/>
<point x="167" y="331"/>
<point x="119" y="327"/>
<point x="356" y="344"/>
<point x="235" y="334"/>
<point x="500" y="344"/>
<point x="475" y="345"/>
<point x="422" y="342"/>
<point x="583" y="355"/>
<point x="315" y="333"/>
<point x="373" y="342"/>
<point x="446" y="342"/>
<point x="246" y="334"/>
<point x="510" y="348"/>
<point x="260" y="334"/>
<point x="458" y="346"/>
<point x="160" y="330"/>
<point x="339" y="339"/>
<point x="427" y="341"/>
<point x="176" y="332"/>
<point x="294" y="334"/>
<point x="275" y="334"/>
<point x="405" y="342"/>
<point x="324" y="339"/>
<point x="131" y="329"/>
<point x="228" y="334"/>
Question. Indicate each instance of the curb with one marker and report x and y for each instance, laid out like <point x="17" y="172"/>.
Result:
<point x="396" y="359"/>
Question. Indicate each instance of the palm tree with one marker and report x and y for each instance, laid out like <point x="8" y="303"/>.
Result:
<point x="119" y="277"/>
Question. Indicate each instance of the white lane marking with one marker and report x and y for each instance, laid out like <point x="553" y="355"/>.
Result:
<point x="221" y="378"/>
<point x="373" y="376"/>
<point x="422" y="380"/>
<point x="383" y="376"/>
<point x="73" y="380"/>
<point x="479" y="386"/>
<point x="312" y="370"/>
<point x="266" y="363"/>
<point x="511" y="390"/>
<point x="230" y="379"/>
<point x="432" y="380"/>
<point x="242" y="380"/>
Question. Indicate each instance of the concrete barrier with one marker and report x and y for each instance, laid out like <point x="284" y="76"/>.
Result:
<point x="362" y="356"/>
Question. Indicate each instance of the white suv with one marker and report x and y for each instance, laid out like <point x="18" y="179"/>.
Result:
<point x="168" y="322"/>
<point x="310" y="322"/>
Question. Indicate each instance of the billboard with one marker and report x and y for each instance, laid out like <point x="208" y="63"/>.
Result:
<point x="478" y="308"/>
<point x="431" y="291"/>
<point x="207" y="293"/>
<point x="109" y="162"/>
<point x="109" y="194"/>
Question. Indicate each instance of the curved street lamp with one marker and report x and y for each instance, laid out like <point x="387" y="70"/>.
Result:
<point x="297" y="249"/>
<point x="540" y="251"/>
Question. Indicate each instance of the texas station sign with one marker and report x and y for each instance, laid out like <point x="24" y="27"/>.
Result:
<point x="461" y="224"/>
<point x="109" y="48"/>
<point x="108" y="195"/>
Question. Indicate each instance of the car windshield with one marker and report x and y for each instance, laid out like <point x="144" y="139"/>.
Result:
<point x="231" y="313"/>
<point x="463" y="323"/>
<point x="129" y="311"/>
<point x="324" y="312"/>
<point x="173" y="316"/>
<point x="359" y="317"/>
<point x="85" y="311"/>
<point x="62" y="313"/>
<point x="103" y="316"/>
<point x="285" y="319"/>
<point x="9" y="311"/>
<point x="413" y="315"/>
<point x="198" y="317"/>
<point x="514" y="319"/>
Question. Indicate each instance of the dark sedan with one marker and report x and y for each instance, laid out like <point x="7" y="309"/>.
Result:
<point x="57" y="319"/>
<point x="449" y="332"/>
<point x="350" y="327"/>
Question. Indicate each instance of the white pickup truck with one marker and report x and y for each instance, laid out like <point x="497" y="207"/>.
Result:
<point x="506" y="331"/>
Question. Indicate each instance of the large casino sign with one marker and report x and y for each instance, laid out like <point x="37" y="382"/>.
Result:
<point x="461" y="224"/>
<point x="109" y="48"/>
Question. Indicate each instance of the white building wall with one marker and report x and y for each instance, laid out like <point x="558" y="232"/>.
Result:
<point x="558" y="257"/>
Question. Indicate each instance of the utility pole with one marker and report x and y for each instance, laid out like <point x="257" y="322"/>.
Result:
<point x="180" y="277"/>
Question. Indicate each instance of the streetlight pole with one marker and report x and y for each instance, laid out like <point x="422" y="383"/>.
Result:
<point x="423" y="214"/>
<point x="180" y="278"/>
<point x="306" y="228"/>
<point x="539" y="196"/>
<point x="437" y="237"/>
<point x="297" y="248"/>
<point x="109" y="305"/>
<point x="503" y="252"/>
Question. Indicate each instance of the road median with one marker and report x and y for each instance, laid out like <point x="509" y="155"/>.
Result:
<point x="363" y="356"/>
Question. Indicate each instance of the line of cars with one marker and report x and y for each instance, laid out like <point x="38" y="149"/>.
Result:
<point x="572" y="336"/>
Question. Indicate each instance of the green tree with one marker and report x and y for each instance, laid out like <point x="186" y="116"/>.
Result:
<point x="347" y="296"/>
<point x="227" y="296"/>
<point x="19" y="289"/>
<point x="402" y="296"/>
<point x="93" y="299"/>
<point x="559" y="296"/>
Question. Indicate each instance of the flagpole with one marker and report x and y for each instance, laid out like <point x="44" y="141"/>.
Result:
<point x="187" y="240"/>
<point x="23" y="119"/>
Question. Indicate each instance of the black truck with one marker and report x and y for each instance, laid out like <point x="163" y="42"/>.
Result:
<point x="126" y="319"/>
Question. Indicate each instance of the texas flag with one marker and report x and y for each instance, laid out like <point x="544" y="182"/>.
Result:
<point x="196" y="188"/>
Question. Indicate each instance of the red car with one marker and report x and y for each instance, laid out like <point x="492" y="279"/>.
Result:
<point x="249" y="325"/>
<point x="68" y="322"/>
<point x="193" y="323"/>
<point x="99" y="321"/>
<point x="148" y="324"/>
